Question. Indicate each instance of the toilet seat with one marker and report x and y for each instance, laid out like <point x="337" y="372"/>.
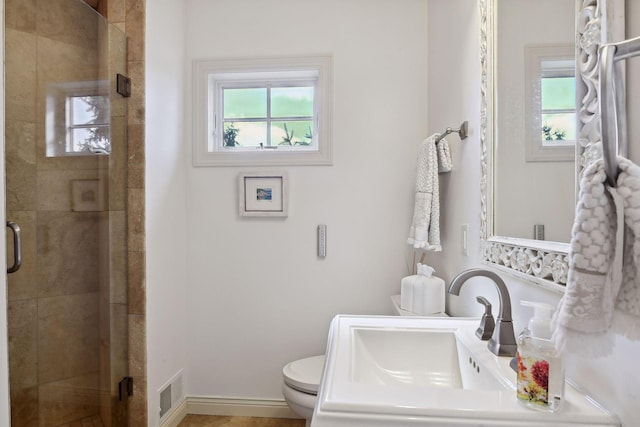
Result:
<point x="304" y="375"/>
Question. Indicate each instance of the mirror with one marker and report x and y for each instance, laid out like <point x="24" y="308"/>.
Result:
<point x="534" y="142"/>
<point x="531" y="157"/>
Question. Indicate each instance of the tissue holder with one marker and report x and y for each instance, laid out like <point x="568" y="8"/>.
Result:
<point x="422" y="295"/>
<point x="406" y="293"/>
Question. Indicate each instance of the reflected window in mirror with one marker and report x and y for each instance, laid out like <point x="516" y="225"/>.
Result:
<point x="551" y="83"/>
<point x="558" y="105"/>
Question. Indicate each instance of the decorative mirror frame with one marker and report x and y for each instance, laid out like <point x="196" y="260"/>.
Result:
<point x="542" y="262"/>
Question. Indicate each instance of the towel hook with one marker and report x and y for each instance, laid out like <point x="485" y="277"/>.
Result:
<point x="463" y="131"/>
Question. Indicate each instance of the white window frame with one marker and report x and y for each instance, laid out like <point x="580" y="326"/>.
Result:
<point x="71" y="126"/>
<point x="212" y="75"/>
<point x="535" y="148"/>
<point x="58" y="121"/>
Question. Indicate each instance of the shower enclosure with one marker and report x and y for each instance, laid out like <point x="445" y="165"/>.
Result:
<point x="66" y="145"/>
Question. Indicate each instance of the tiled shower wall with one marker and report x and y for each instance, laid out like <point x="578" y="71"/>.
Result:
<point x="55" y="312"/>
<point x="129" y="15"/>
<point x="43" y="308"/>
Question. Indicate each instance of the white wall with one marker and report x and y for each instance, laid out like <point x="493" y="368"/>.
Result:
<point x="259" y="296"/>
<point x="166" y="202"/>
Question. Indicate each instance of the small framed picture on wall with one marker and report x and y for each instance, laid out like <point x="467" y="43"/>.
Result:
<point x="86" y="195"/>
<point x="263" y="194"/>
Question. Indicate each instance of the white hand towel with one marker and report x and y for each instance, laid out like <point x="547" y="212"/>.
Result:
<point x="596" y="301"/>
<point x="444" y="156"/>
<point x="425" y="229"/>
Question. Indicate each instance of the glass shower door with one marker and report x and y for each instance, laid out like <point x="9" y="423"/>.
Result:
<point x="65" y="157"/>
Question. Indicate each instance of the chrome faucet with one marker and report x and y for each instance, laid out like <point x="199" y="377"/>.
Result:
<point x="503" y="340"/>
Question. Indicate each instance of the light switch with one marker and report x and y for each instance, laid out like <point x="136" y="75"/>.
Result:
<point x="322" y="240"/>
<point x="465" y="239"/>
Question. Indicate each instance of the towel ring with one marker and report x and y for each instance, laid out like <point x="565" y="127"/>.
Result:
<point x="613" y="127"/>
<point x="463" y="131"/>
<point x="613" y="113"/>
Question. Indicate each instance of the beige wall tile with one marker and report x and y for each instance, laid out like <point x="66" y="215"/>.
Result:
<point x="55" y="188"/>
<point x="135" y="219"/>
<point x="68" y="331"/>
<point x="68" y="400"/>
<point x="116" y="11"/>
<point x="20" y="15"/>
<point x="24" y="407"/>
<point x="118" y="164"/>
<point x="20" y="160"/>
<point x="137" y="300"/>
<point x="136" y="107"/>
<point x="68" y="247"/>
<point x="121" y="26"/>
<point x="117" y="64"/>
<point x="136" y="156"/>
<point x="135" y="24"/>
<point x="119" y="356"/>
<point x="138" y="370"/>
<point x="68" y="21"/>
<point x="137" y="346"/>
<point x="23" y="343"/>
<point x="63" y="63"/>
<point x="20" y="75"/>
<point x="104" y="327"/>
<point x="118" y="257"/>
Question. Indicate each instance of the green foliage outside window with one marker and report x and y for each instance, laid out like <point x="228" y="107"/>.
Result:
<point x="549" y="134"/>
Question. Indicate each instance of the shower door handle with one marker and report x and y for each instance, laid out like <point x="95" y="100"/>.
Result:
<point x="17" y="247"/>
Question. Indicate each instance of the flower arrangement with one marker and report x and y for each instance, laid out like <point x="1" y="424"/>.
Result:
<point x="533" y="380"/>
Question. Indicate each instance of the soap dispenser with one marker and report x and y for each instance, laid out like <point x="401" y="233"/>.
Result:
<point x="540" y="383"/>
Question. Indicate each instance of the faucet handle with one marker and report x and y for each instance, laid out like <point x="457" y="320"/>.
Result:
<point x="487" y="324"/>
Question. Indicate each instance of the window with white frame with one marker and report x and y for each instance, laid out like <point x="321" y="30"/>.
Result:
<point x="265" y="111"/>
<point x="551" y="102"/>
<point x="88" y="124"/>
<point x="77" y="120"/>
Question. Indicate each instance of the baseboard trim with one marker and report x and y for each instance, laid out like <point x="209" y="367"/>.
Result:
<point x="175" y="416"/>
<point x="202" y="405"/>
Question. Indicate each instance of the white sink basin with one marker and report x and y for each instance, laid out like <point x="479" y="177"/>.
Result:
<point x="399" y="371"/>
<point x="416" y="357"/>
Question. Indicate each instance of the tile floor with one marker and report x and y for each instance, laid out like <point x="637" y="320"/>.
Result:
<point x="221" y="421"/>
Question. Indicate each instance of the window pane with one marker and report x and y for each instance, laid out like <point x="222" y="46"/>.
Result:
<point x="558" y="93"/>
<point x="245" y="103"/>
<point x="559" y="127"/>
<point x="89" y="110"/>
<point x="292" y="102"/>
<point x="93" y="140"/>
<point x="244" y="134"/>
<point x="298" y="133"/>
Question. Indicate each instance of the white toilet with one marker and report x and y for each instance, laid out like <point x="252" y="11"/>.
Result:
<point x="300" y="387"/>
<point x="302" y="377"/>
